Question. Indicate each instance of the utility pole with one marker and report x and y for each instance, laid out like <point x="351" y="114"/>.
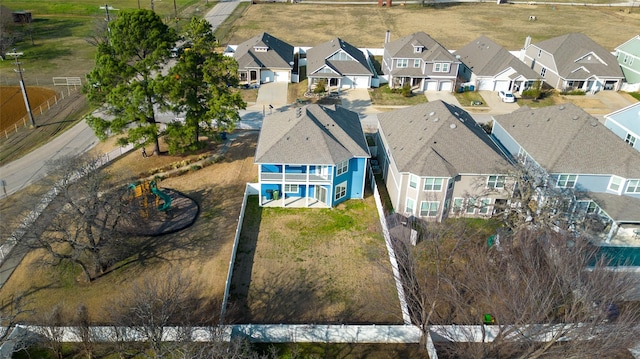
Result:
<point x="152" y="5"/>
<point x="175" y="10"/>
<point x="22" y="87"/>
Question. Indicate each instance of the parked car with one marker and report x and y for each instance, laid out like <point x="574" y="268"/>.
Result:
<point x="506" y="96"/>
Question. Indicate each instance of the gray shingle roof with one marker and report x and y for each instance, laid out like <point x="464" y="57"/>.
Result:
<point x="278" y="56"/>
<point x="619" y="208"/>
<point x="571" y="51"/>
<point x="317" y="58"/>
<point x="566" y="139"/>
<point x="486" y="58"/>
<point x="439" y="140"/>
<point x="319" y="135"/>
<point x="404" y="48"/>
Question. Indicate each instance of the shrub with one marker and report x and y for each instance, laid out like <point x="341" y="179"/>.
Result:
<point x="574" y="92"/>
<point x="321" y="86"/>
<point x="534" y="91"/>
<point x="406" y="90"/>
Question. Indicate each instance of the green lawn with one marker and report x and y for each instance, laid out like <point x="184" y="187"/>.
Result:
<point x="465" y="98"/>
<point x="383" y="96"/>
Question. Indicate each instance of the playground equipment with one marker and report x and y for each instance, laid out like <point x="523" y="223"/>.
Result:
<point x="143" y="191"/>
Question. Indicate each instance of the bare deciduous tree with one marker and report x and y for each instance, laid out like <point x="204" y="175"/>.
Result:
<point x="546" y="292"/>
<point x="80" y="225"/>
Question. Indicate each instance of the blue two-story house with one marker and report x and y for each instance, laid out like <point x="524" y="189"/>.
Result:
<point x="574" y="150"/>
<point x="312" y="156"/>
<point x="625" y="123"/>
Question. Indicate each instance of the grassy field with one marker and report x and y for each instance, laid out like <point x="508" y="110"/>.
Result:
<point x="61" y="30"/>
<point x="313" y="266"/>
<point x="452" y="25"/>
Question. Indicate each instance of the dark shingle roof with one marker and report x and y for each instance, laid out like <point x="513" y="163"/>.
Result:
<point x="317" y="58"/>
<point x="575" y="50"/>
<point x="432" y="50"/>
<point x="566" y="139"/>
<point x="619" y="208"/>
<point x="439" y="140"/>
<point x="312" y="134"/>
<point x="486" y="58"/>
<point x="278" y="56"/>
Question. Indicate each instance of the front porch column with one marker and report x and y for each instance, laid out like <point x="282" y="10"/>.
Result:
<point x="306" y="189"/>
<point x="284" y="180"/>
<point x="612" y="231"/>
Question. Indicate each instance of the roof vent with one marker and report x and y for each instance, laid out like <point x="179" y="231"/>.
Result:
<point x="548" y="119"/>
<point x="575" y="117"/>
<point x="561" y="107"/>
<point x="456" y="113"/>
<point x="431" y="113"/>
<point x="461" y="119"/>
<point x="436" y="119"/>
<point x="452" y="126"/>
<point x="594" y="123"/>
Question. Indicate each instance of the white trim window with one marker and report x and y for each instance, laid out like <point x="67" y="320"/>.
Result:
<point x="413" y="181"/>
<point x="543" y="71"/>
<point x="402" y="63"/>
<point x="432" y="184"/>
<point x="341" y="190"/>
<point x="566" y="181"/>
<point x="615" y="184"/>
<point x="522" y="155"/>
<point x="416" y="63"/>
<point x="429" y="209"/>
<point x="630" y="139"/>
<point x="495" y="181"/>
<point x="458" y="204"/>
<point x="291" y="188"/>
<point x="441" y="67"/>
<point x="470" y="207"/>
<point x="342" y="167"/>
<point x="409" y="206"/>
<point x="485" y="205"/>
<point x="633" y="186"/>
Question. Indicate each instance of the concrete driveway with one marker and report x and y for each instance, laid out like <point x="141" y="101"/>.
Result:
<point x="357" y="100"/>
<point x="495" y="104"/>
<point x="442" y="95"/>
<point x="272" y="93"/>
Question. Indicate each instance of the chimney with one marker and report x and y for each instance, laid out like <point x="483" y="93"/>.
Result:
<point x="387" y="36"/>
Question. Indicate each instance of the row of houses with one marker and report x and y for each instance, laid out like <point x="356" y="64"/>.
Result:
<point x="437" y="162"/>
<point x="568" y="62"/>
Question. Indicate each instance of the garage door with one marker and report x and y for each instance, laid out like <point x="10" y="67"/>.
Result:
<point x="282" y="76"/>
<point x="446" y="86"/>
<point x="266" y="76"/>
<point x="502" y="86"/>
<point x="485" y="85"/>
<point x="361" y="82"/>
<point x="431" y="85"/>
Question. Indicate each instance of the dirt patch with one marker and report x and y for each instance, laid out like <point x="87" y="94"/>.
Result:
<point x="12" y="107"/>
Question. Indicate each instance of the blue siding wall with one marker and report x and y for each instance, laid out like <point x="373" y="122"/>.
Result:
<point x="271" y="168"/>
<point x="265" y="187"/>
<point x="354" y="177"/>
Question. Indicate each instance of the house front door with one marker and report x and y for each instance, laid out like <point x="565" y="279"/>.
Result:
<point x="321" y="194"/>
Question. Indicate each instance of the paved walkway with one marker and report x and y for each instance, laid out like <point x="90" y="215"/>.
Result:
<point x="219" y="13"/>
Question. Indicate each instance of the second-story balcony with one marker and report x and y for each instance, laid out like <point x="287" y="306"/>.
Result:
<point x="293" y="177"/>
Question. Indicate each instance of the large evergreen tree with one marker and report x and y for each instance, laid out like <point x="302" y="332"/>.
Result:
<point x="127" y="76"/>
<point x="201" y="86"/>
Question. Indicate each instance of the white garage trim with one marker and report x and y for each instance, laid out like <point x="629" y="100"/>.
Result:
<point x="431" y="85"/>
<point x="446" y="86"/>
<point x="282" y="76"/>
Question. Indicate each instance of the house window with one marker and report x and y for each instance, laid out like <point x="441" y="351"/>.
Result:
<point x="410" y="206"/>
<point x="567" y="181"/>
<point x="625" y="58"/>
<point x="416" y="63"/>
<point x="484" y="205"/>
<point x="615" y="184"/>
<point x="402" y="63"/>
<point x="495" y="182"/>
<point x="291" y="188"/>
<point x="413" y="181"/>
<point x="457" y="205"/>
<point x="593" y="208"/>
<point x="260" y="49"/>
<point x="432" y="184"/>
<point x="339" y="56"/>
<point x="543" y="71"/>
<point x="630" y="139"/>
<point x="539" y="52"/>
<point x="450" y="185"/>
<point x="342" y="167"/>
<point x="441" y="67"/>
<point x="341" y="190"/>
<point x="417" y="49"/>
<point x="429" y="209"/>
<point x="522" y="155"/>
<point x="633" y="186"/>
<point x="471" y="206"/>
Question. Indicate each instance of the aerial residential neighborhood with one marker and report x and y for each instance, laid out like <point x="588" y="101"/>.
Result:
<point x="293" y="179"/>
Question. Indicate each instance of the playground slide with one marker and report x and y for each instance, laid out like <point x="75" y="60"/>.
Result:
<point x="165" y="197"/>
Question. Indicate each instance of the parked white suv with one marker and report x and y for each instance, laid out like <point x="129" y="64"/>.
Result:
<point x="506" y="96"/>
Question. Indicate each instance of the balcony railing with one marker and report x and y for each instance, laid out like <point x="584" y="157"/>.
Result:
<point x="293" y="177"/>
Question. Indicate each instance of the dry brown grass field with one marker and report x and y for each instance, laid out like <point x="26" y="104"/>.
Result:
<point x="453" y="25"/>
<point x="12" y="106"/>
